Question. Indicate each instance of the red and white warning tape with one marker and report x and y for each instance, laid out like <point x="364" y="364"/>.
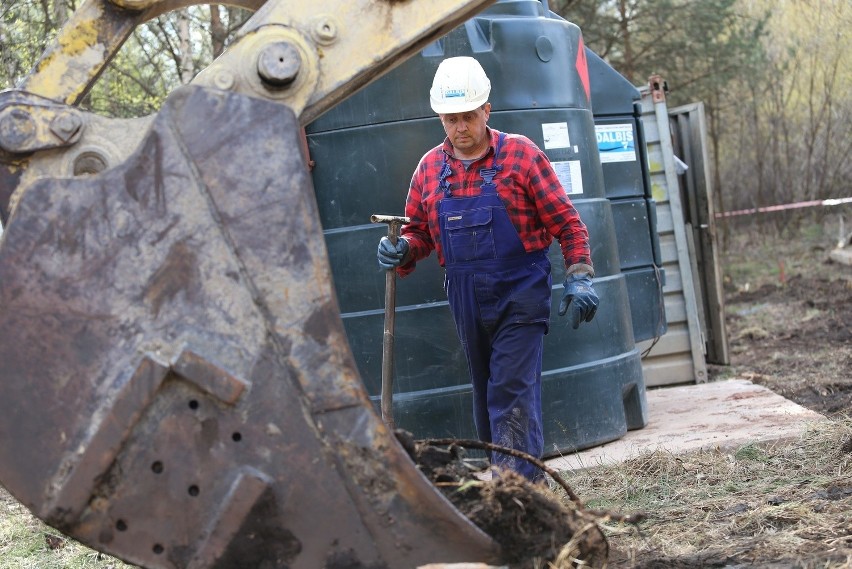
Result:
<point x="796" y="205"/>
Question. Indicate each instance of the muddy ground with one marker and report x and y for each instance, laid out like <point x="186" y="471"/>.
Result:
<point x="796" y="339"/>
<point x="790" y="324"/>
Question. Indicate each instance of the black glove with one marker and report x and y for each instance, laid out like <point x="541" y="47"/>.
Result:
<point x="390" y="255"/>
<point x="581" y="297"/>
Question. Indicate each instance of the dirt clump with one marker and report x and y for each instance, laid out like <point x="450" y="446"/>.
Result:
<point x="533" y="525"/>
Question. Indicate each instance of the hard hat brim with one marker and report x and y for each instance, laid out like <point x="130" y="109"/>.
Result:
<point x="445" y="108"/>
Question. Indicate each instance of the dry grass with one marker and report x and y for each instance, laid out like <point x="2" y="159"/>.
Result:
<point x="786" y="505"/>
<point x="27" y="543"/>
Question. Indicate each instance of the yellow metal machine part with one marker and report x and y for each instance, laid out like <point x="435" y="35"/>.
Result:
<point x="177" y="388"/>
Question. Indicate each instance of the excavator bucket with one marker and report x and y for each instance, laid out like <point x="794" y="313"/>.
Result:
<point x="176" y="387"/>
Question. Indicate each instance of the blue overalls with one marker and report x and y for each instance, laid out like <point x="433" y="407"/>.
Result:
<point x="499" y="296"/>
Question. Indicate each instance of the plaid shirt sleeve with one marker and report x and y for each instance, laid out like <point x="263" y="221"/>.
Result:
<point x="423" y="233"/>
<point x="550" y="210"/>
<point x="537" y="203"/>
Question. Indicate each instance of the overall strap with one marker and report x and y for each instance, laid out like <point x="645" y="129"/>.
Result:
<point x="443" y="184"/>
<point x="487" y="174"/>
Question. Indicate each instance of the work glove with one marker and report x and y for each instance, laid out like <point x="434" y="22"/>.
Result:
<point x="390" y="255"/>
<point x="580" y="296"/>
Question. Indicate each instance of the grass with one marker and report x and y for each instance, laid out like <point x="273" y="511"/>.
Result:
<point x="789" y="504"/>
<point x="27" y="543"/>
<point x="757" y="256"/>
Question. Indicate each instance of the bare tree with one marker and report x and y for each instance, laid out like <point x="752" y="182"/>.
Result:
<point x="799" y="118"/>
<point x="184" y="56"/>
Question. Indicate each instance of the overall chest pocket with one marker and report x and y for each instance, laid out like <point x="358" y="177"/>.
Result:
<point x="470" y="235"/>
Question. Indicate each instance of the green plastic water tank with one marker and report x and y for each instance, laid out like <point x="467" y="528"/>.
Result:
<point x="616" y="106"/>
<point x="365" y="151"/>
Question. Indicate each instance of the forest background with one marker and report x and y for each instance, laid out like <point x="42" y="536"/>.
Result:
<point x="774" y="75"/>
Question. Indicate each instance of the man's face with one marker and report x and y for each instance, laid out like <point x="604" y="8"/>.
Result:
<point x="466" y="131"/>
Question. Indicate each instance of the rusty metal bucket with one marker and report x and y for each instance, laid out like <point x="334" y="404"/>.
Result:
<point x="176" y="387"/>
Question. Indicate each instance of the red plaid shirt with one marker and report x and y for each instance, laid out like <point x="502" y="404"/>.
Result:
<point x="536" y="202"/>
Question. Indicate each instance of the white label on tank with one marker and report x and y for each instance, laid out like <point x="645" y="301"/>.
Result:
<point x="555" y="135"/>
<point x="570" y="175"/>
<point x="615" y="142"/>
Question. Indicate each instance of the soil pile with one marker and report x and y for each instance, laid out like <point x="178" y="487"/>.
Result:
<point x="532" y="524"/>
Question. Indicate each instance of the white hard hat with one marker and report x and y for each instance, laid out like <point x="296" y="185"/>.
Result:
<point x="460" y="85"/>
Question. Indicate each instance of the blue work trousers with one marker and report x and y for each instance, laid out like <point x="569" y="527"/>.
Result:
<point x="501" y="318"/>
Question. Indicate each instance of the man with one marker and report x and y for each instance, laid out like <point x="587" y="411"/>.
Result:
<point x="490" y="204"/>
